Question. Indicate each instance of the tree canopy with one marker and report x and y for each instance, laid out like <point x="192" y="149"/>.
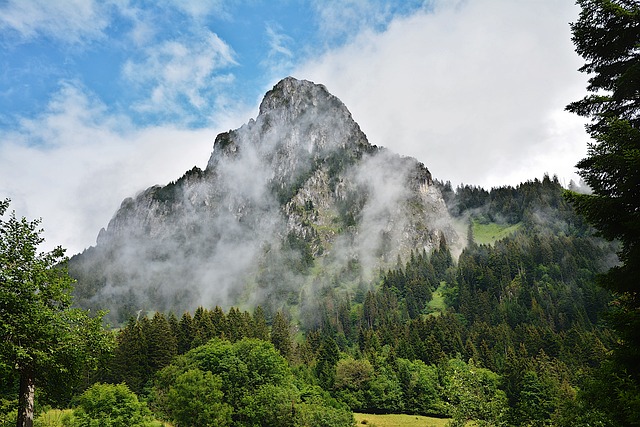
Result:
<point x="607" y="36"/>
<point x="41" y="335"/>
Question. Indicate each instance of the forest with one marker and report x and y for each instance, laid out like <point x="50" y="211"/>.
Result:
<point x="509" y="333"/>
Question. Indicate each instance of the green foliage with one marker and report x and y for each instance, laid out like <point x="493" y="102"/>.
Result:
<point x="162" y="343"/>
<point x="195" y="399"/>
<point x="328" y="357"/>
<point x="420" y="385"/>
<point x="147" y="345"/>
<point x="524" y="310"/>
<point x="54" y="418"/>
<point x="41" y="335"/>
<point x="248" y="380"/>
<point x="473" y="393"/>
<point x="606" y="35"/>
<point x="281" y="335"/>
<point x="130" y="362"/>
<point x="8" y="412"/>
<point x="109" y="405"/>
<point x="269" y="405"/>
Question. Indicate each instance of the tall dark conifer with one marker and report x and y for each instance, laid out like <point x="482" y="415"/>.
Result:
<point x="131" y="358"/>
<point x="186" y="333"/>
<point x="607" y="36"/>
<point x="281" y="335"/>
<point x="260" y="328"/>
<point x="162" y="345"/>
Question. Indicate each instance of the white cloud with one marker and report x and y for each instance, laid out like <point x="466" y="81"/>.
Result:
<point x="279" y="58"/>
<point x="141" y="20"/>
<point x="198" y="9"/>
<point x="344" y="18"/>
<point x="475" y="89"/>
<point x="278" y="42"/>
<point x="72" y="21"/>
<point x="75" y="163"/>
<point x="181" y="71"/>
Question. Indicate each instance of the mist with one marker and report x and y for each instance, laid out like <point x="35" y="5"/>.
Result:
<point x="289" y="204"/>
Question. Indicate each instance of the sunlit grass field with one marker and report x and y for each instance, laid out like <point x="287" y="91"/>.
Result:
<point x="487" y="234"/>
<point x="398" y="420"/>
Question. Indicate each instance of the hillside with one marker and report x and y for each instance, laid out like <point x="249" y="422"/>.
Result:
<point x="289" y="203"/>
<point x="508" y="333"/>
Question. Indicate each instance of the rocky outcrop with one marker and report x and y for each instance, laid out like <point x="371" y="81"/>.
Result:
<point x="287" y="203"/>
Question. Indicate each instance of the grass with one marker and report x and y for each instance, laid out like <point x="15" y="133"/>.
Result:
<point x="51" y="418"/>
<point x="437" y="305"/>
<point x="398" y="420"/>
<point x="487" y="234"/>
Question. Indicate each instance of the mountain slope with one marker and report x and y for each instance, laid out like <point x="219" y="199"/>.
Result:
<point x="292" y="202"/>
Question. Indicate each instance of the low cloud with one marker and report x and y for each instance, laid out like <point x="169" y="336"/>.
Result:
<point x="76" y="162"/>
<point x="475" y="90"/>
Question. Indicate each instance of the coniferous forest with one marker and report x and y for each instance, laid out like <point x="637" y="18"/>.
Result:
<point x="509" y="333"/>
<point x="534" y="323"/>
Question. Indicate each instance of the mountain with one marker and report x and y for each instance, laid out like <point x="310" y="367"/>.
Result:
<point x="292" y="203"/>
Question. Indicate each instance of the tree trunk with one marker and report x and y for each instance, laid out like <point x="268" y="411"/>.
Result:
<point x="26" y="398"/>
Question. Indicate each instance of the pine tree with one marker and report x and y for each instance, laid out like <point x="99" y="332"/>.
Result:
<point x="236" y="325"/>
<point x="607" y="36"/>
<point x="186" y="333"/>
<point x="260" y="328"/>
<point x="219" y="323"/>
<point x="281" y="335"/>
<point x="328" y="357"/>
<point x="162" y="344"/>
<point x="131" y="359"/>
<point x="203" y="327"/>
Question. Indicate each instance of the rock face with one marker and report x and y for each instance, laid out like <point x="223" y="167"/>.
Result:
<point x="290" y="203"/>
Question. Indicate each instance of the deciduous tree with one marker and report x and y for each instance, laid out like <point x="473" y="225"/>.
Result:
<point x="39" y="330"/>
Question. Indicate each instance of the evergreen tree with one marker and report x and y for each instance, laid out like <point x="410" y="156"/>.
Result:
<point x="607" y="36"/>
<point x="186" y="333"/>
<point x="236" y="325"/>
<point x="131" y="358"/>
<point x="260" y="328"/>
<point x="328" y="357"/>
<point x="174" y="325"/>
<point x="203" y="328"/>
<point x="162" y="344"/>
<point x="219" y="323"/>
<point x="281" y="335"/>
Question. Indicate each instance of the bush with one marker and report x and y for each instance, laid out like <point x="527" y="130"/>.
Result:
<point x="246" y="383"/>
<point x="54" y="418"/>
<point x="196" y="400"/>
<point x="109" y="405"/>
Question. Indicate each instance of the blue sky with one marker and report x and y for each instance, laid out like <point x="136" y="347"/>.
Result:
<point x="100" y="99"/>
<point x="168" y="61"/>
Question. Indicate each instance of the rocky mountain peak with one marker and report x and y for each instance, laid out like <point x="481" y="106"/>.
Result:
<point x="291" y="202"/>
<point x="296" y="117"/>
<point x="297" y="96"/>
